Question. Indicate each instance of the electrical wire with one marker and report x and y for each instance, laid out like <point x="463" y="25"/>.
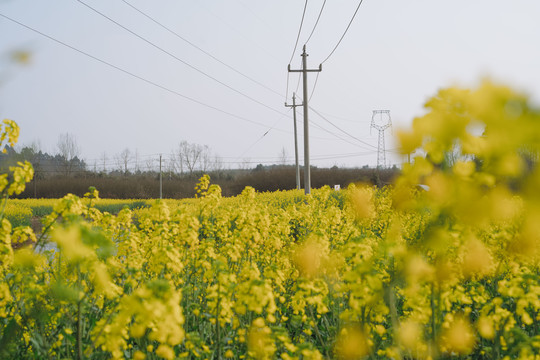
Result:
<point x="177" y="58"/>
<point x="263" y="135"/>
<point x="137" y="76"/>
<point x="316" y="22"/>
<point x="287" y="87"/>
<point x="343" y="131"/>
<point x="334" y="135"/>
<point x="254" y="43"/>
<point x="261" y="20"/>
<point x="199" y="48"/>
<point x="298" y="83"/>
<point x="345" y="119"/>
<point x="345" y="32"/>
<point x="294" y="50"/>
<point x="110" y="165"/>
<point x="299" y="31"/>
<point x="317" y="157"/>
<point x="314" y="86"/>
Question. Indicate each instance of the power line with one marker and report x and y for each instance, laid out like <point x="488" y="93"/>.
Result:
<point x="199" y="48"/>
<point x="177" y="58"/>
<point x="261" y="20"/>
<point x="314" y="86"/>
<point x="331" y="157"/>
<point x="333" y="134"/>
<point x="343" y="131"/>
<point x="316" y="22"/>
<point x="299" y="30"/>
<point x="266" y="160"/>
<point x="320" y="156"/>
<point x="149" y="163"/>
<point x="260" y="138"/>
<point x="343" y="119"/>
<point x="294" y="50"/>
<point x="139" y="77"/>
<point x="255" y="43"/>
<point x="345" y="32"/>
<point x="298" y="83"/>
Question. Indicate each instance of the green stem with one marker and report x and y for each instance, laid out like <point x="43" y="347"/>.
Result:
<point x="317" y="333"/>
<point x="79" y="330"/>
<point x="39" y="242"/>
<point x="79" y="319"/>
<point x="4" y="203"/>
<point x="433" y="311"/>
<point x="218" y="335"/>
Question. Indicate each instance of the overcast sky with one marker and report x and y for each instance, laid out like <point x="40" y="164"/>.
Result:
<point x="146" y="89"/>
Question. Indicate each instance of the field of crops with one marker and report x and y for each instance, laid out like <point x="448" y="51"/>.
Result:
<point x="20" y="212"/>
<point x="391" y="273"/>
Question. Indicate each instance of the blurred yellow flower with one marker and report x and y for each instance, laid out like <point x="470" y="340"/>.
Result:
<point x="458" y="337"/>
<point x="352" y="343"/>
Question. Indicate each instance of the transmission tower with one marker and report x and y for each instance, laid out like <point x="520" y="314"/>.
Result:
<point x="380" y="120"/>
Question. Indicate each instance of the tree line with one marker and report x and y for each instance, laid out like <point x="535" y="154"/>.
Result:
<point x="130" y="175"/>
<point x="186" y="159"/>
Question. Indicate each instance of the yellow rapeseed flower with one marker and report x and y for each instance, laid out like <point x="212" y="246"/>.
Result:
<point x="165" y="352"/>
<point x="352" y="343"/>
<point x="458" y="337"/>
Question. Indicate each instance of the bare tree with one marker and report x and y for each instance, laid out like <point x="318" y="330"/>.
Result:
<point x="217" y="163"/>
<point x="150" y="164"/>
<point x="168" y="167"/>
<point x="191" y="155"/>
<point x="245" y="164"/>
<point x="178" y="159"/>
<point x="123" y="160"/>
<point x="194" y="157"/>
<point x="206" y="159"/>
<point x="454" y="155"/>
<point x="68" y="149"/>
<point x="34" y="154"/>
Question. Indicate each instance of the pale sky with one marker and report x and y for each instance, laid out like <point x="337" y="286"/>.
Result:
<point x="395" y="55"/>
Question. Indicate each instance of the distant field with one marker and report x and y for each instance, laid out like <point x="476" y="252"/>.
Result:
<point x="20" y="212"/>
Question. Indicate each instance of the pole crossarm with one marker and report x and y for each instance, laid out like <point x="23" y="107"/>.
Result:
<point x="307" y="70"/>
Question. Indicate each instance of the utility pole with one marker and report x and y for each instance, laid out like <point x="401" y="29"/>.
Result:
<point x="160" y="180"/>
<point x="304" y="71"/>
<point x="293" y="106"/>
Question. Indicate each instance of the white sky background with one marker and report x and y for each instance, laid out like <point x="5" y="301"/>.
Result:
<point x="395" y="56"/>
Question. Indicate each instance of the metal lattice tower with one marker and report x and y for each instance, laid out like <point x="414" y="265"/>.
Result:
<point x="381" y="121"/>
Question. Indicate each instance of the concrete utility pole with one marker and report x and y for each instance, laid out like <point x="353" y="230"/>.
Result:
<point x="304" y="71"/>
<point x="293" y="106"/>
